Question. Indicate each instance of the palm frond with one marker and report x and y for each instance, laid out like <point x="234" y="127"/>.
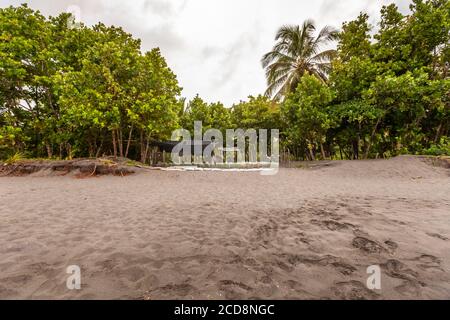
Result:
<point x="296" y="52"/>
<point x="324" y="56"/>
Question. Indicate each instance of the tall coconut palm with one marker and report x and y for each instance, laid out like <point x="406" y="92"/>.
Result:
<point x="297" y="52"/>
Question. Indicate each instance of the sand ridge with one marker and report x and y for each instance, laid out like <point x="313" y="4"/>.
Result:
<point x="301" y="234"/>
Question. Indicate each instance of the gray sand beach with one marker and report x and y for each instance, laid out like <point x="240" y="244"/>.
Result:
<point x="300" y="234"/>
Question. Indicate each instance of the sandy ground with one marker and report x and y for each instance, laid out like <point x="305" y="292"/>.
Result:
<point x="301" y="234"/>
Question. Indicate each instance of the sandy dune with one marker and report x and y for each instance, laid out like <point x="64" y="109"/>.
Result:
<point x="302" y="234"/>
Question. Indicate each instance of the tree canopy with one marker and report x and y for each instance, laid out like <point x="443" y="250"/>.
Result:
<point x="87" y="91"/>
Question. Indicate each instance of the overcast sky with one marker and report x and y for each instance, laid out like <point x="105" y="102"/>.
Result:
<point x="213" y="46"/>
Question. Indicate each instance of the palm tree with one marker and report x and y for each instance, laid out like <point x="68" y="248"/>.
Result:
<point x="297" y="52"/>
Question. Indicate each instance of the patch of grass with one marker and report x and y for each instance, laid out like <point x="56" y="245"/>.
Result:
<point x="108" y="162"/>
<point x="133" y="163"/>
<point x="18" y="156"/>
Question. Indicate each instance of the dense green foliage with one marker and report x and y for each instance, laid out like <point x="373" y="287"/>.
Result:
<point x="78" y="92"/>
<point x="387" y="94"/>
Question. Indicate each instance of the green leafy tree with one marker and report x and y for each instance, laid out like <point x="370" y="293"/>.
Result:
<point x="306" y="114"/>
<point x="257" y="113"/>
<point x="155" y="111"/>
<point x="196" y="110"/>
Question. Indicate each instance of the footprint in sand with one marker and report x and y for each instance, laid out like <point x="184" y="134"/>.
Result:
<point x="353" y="290"/>
<point x="411" y="284"/>
<point x="344" y="268"/>
<point x="367" y="245"/>
<point x="391" y="245"/>
<point x="324" y="213"/>
<point x="107" y="265"/>
<point x="169" y="291"/>
<point x="427" y="262"/>
<point x="409" y="288"/>
<point x="266" y="232"/>
<point x="332" y="225"/>
<point x="438" y="236"/>
<point x="289" y="261"/>
<point x="397" y="269"/>
<point x="233" y="289"/>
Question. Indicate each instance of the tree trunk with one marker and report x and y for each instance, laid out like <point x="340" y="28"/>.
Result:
<point x="91" y="148"/>
<point x="113" y="132"/>
<point x="438" y="132"/>
<point x="340" y="152"/>
<point x="142" y="146"/>
<point x="99" y="149"/>
<point x="49" y="150"/>
<point x="120" y="141"/>
<point x="146" y="150"/>
<point x="129" y="141"/>
<point x="311" y="154"/>
<point x="69" y="151"/>
<point x="369" y="145"/>
<point x="322" y="151"/>
<point x="355" y="146"/>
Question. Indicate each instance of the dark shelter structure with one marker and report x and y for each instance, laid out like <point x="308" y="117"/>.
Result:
<point x="167" y="146"/>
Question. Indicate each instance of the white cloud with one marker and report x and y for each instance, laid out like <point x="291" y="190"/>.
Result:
<point x="214" y="46"/>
